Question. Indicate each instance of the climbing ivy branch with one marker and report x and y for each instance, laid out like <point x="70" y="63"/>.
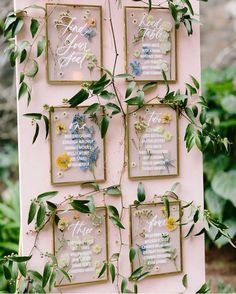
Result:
<point x="26" y="52"/>
<point x="181" y="11"/>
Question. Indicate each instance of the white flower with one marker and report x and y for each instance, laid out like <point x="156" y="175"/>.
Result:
<point x="165" y="47"/>
<point x="163" y="36"/>
<point x="60" y="74"/>
<point x="56" y="117"/>
<point x="64" y="260"/>
<point x="97" y="249"/>
<point x="64" y="114"/>
<point x="60" y="174"/>
<point x="166" y="26"/>
<point x="164" y="66"/>
<point x="133" y="164"/>
<point x="89" y="239"/>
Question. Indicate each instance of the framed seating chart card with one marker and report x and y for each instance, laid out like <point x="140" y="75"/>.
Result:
<point x="153" y="141"/>
<point x="80" y="246"/>
<point x="156" y="238"/>
<point x="76" y="147"/>
<point x="150" y="44"/>
<point x="74" y="52"/>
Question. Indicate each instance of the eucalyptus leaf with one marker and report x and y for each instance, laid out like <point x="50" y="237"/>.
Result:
<point x="20" y="258"/>
<point x="36" y="133"/>
<point x="116" y="222"/>
<point x="46" y="274"/>
<point x="132" y="254"/>
<point x="104" y="126"/>
<point x="41" y="46"/>
<point x="34" y="26"/>
<point x="78" y="98"/>
<point x="185" y="281"/>
<point x="113" y="210"/>
<point x="130" y="89"/>
<point x="112" y="272"/>
<point x="113" y="191"/>
<point x="52" y="280"/>
<point x="41" y="214"/>
<point x="81" y="205"/>
<point x="103" y="269"/>
<point x="47" y="195"/>
<point x="141" y="193"/>
<point x="34" y="69"/>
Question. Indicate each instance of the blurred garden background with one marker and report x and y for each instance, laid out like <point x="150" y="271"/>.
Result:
<point x="218" y="42"/>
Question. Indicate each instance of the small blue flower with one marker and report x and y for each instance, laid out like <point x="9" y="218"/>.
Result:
<point x="87" y="152"/>
<point x="136" y="68"/>
<point x="147" y="51"/>
<point x="142" y="248"/>
<point x="89" y="33"/>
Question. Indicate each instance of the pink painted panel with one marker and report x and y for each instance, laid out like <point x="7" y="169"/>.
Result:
<point x="35" y="159"/>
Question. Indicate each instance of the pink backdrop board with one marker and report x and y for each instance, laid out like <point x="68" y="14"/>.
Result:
<point x="35" y="159"/>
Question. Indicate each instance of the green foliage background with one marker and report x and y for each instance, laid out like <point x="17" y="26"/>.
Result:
<point x="219" y="87"/>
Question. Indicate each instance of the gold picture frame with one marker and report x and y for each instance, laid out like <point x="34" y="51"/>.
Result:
<point x="106" y="274"/>
<point x="173" y="53"/>
<point x="101" y="179"/>
<point x="130" y="153"/>
<point x="79" y="81"/>
<point x="131" y="241"/>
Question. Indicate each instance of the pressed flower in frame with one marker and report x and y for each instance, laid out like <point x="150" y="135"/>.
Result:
<point x="63" y="223"/>
<point x="91" y="22"/>
<point x="171" y="224"/>
<point x="63" y="161"/>
<point x="166" y="118"/>
<point x="136" y="68"/>
<point x="60" y="128"/>
<point x="89" y="33"/>
<point x="147" y="51"/>
<point x="97" y="249"/>
<point x="168" y="136"/>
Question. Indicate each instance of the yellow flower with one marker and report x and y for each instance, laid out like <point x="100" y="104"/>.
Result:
<point x="76" y="215"/>
<point x="166" y="118"/>
<point x="63" y="161"/>
<point x="63" y="223"/>
<point x="60" y="128"/>
<point x="171" y="224"/>
<point x="150" y="18"/>
<point x="97" y="249"/>
<point x="160" y="130"/>
<point x="168" y="136"/>
<point x="91" y="22"/>
<point x="137" y="53"/>
<point x="163" y="210"/>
